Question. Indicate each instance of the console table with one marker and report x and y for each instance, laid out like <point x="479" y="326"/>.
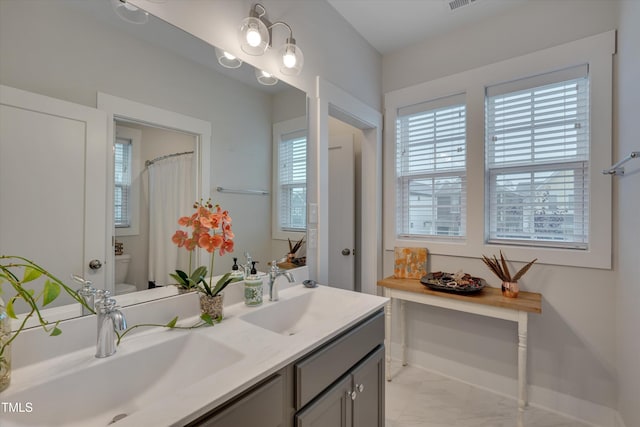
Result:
<point x="488" y="302"/>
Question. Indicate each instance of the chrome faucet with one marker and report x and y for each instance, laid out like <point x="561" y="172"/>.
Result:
<point x="87" y="293"/>
<point x="274" y="273"/>
<point x="109" y="318"/>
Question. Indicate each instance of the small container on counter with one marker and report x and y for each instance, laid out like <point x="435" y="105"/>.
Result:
<point x="253" y="287"/>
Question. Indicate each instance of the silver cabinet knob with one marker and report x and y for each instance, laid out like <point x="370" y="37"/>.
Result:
<point x="353" y="395"/>
<point x="360" y="387"/>
<point x="346" y="252"/>
<point x="95" y="264"/>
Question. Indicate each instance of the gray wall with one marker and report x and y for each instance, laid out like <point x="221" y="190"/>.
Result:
<point x="626" y="192"/>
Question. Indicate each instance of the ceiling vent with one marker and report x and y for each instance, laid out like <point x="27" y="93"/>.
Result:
<point x="458" y="4"/>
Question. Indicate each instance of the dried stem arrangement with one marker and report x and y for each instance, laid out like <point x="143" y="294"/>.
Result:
<point x="500" y="268"/>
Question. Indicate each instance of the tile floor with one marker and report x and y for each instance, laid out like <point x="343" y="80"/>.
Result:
<point x="418" y="398"/>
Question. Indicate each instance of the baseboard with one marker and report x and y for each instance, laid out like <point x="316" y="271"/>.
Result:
<point x="590" y="413"/>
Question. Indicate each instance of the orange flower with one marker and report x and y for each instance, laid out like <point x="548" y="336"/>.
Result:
<point x="210" y="242"/>
<point x="208" y="228"/>
<point x="227" y="246"/>
<point x="179" y="238"/>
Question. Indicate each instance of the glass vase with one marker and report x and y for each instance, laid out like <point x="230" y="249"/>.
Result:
<point x="212" y="305"/>
<point x="5" y="349"/>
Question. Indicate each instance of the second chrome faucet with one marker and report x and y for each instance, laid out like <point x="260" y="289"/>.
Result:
<point x="274" y="273"/>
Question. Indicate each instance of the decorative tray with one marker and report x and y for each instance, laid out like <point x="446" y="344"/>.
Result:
<point x="459" y="283"/>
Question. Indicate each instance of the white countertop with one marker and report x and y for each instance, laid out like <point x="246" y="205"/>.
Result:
<point x="262" y="353"/>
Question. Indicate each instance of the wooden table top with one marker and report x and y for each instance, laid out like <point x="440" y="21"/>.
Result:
<point x="526" y="301"/>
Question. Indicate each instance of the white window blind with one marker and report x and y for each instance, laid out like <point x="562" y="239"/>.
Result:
<point x="292" y="181"/>
<point x="431" y="168"/>
<point x="537" y="157"/>
<point x="122" y="183"/>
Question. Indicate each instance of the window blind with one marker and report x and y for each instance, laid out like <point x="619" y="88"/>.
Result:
<point x="537" y="158"/>
<point x="292" y="181"/>
<point x="431" y="168"/>
<point x="122" y="183"/>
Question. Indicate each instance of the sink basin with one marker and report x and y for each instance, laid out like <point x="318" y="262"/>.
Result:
<point x="302" y="312"/>
<point x="99" y="391"/>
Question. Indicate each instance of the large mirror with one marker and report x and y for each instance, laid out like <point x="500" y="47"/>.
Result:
<point x="72" y="50"/>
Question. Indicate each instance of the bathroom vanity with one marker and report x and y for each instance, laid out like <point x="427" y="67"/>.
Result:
<point x="314" y="358"/>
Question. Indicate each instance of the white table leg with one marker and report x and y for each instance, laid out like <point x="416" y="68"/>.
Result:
<point x="522" y="360"/>
<point x="387" y="334"/>
<point x="403" y="331"/>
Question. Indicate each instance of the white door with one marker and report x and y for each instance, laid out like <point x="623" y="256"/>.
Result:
<point x="341" y="211"/>
<point x="53" y="161"/>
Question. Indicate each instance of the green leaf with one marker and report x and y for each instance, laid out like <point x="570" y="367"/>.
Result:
<point x="56" y="331"/>
<point x="206" y="318"/>
<point x="51" y="292"/>
<point x="177" y="278"/>
<point x="199" y="274"/>
<point x="172" y="322"/>
<point x="30" y="274"/>
<point x="10" y="312"/>
<point x="222" y="283"/>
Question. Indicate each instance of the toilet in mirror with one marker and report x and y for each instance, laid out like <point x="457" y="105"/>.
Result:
<point x="121" y="269"/>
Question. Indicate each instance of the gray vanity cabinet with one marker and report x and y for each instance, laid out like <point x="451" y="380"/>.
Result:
<point x="356" y="400"/>
<point x="339" y="384"/>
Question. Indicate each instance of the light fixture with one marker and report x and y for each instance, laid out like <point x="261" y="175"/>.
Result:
<point x="256" y="37"/>
<point x="254" y="34"/>
<point x="265" y="78"/>
<point x="227" y="60"/>
<point x="291" y="58"/>
<point x="129" y="12"/>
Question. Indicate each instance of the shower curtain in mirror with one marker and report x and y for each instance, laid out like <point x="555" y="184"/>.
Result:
<point x="171" y="195"/>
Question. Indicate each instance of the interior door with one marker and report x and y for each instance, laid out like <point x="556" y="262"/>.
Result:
<point x="341" y="211"/>
<point x="53" y="161"/>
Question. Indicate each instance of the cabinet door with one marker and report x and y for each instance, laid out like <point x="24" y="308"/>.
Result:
<point x="331" y="409"/>
<point x="368" y="383"/>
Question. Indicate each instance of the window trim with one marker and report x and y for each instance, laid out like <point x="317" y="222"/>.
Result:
<point x="283" y="128"/>
<point x="135" y="136"/>
<point x="596" y="51"/>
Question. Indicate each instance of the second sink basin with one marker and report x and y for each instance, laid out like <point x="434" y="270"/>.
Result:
<point x="101" y="391"/>
<point x="291" y="316"/>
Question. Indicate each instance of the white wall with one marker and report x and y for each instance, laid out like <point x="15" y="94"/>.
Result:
<point x="627" y="190"/>
<point x="572" y="344"/>
<point x="53" y="49"/>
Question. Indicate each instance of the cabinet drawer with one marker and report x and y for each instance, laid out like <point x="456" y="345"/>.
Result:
<point x="319" y="370"/>
<point x="260" y="407"/>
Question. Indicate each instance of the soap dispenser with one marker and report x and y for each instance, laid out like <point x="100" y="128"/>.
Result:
<point x="253" y="287"/>
<point x="236" y="274"/>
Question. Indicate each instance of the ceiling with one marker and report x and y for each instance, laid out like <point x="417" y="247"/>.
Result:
<point x="392" y="24"/>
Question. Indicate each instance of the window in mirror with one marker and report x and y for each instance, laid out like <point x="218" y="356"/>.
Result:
<point x="290" y="184"/>
<point x="126" y="156"/>
<point x="122" y="185"/>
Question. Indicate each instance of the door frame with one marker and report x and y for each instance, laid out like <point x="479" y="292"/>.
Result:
<point x="123" y="109"/>
<point x="332" y="101"/>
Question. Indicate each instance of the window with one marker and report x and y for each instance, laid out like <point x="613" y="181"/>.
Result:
<point x="431" y="169"/>
<point x="126" y="180"/>
<point x="290" y="179"/>
<point x="537" y="160"/>
<point x="122" y="183"/>
<point x="538" y="134"/>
